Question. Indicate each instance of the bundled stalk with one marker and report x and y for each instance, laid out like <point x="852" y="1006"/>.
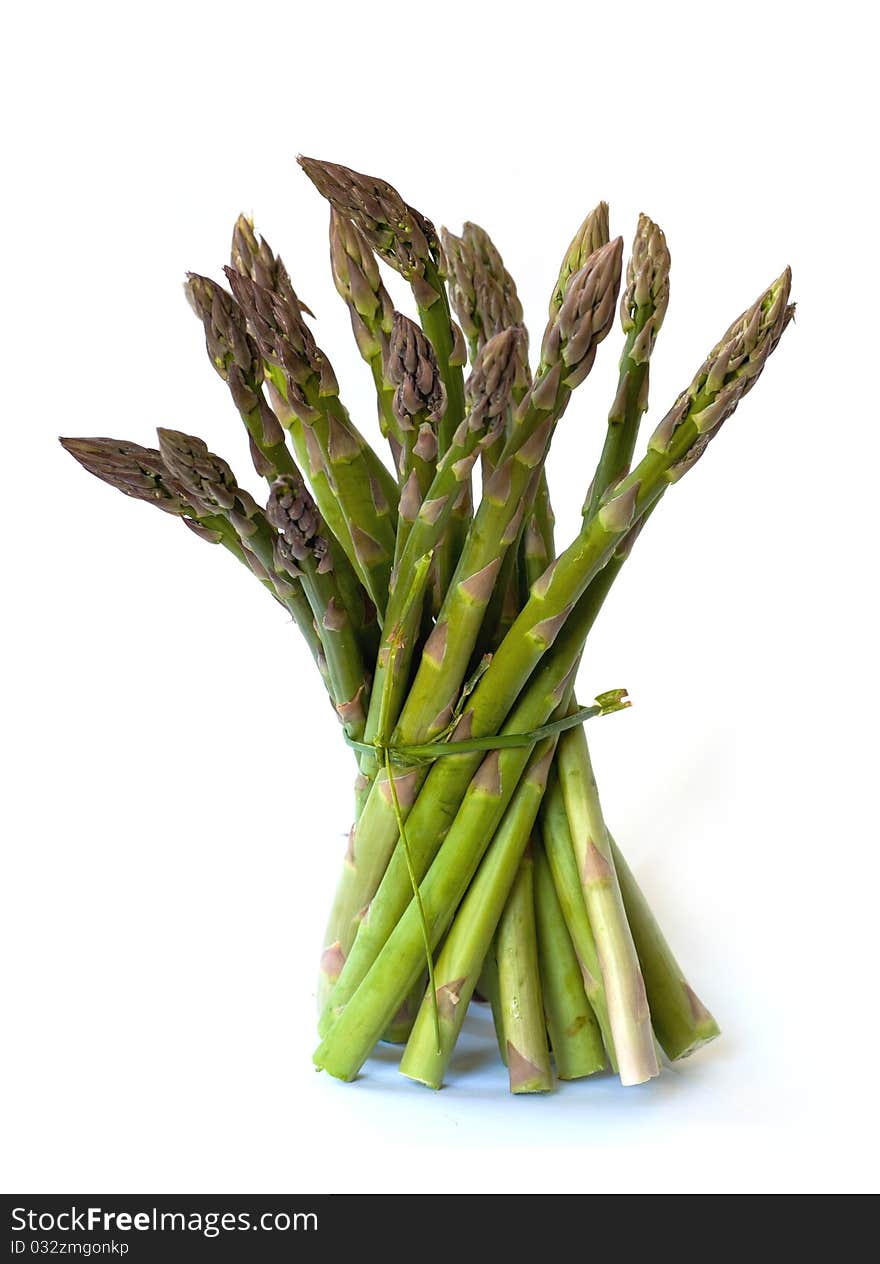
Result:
<point x="447" y="630"/>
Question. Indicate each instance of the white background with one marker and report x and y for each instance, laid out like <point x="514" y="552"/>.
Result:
<point x="176" y="794"/>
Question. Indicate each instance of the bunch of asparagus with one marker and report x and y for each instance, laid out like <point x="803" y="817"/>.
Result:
<point x="447" y="630"/>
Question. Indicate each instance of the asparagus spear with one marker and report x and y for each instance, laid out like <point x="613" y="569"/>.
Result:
<point x="406" y="240"/>
<point x="590" y="237"/>
<point x="575" y="1038"/>
<point x="642" y="309"/>
<point x="350" y="484"/>
<point x="519" y="985"/>
<point x="357" y="280"/>
<point x="295" y="516"/>
<point x="303" y="356"/>
<point x="236" y="357"/>
<point x="137" y="472"/>
<point x="253" y="257"/>
<point x="559" y="852"/>
<point x="729" y="371"/>
<point x="621" y="974"/>
<point x="482" y="291"/>
<point x="484" y="296"/>
<point x="487" y="984"/>
<point x="142" y="474"/>
<point x="419" y="404"/>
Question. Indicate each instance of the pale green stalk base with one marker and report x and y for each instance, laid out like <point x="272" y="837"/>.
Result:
<point x="621" y="974"/>
<point x="575" y="1037"/>
<point x="563" y="867"/>
<point x="519" y="986"/>
<point x="488" y="986"/>
<point x="470" y="939"/>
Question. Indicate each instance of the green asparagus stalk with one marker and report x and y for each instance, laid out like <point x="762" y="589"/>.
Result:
<point x="680" y="1019"/>
<point x="357" y="280"/>
<point x="295" y="516"/>
<point x="727" y="374"/>
<point x="575" y="1038"/>
<point x="488" y="987"/>
<point x="625" y="992"/>
<point x="484" y="298"/>
<point x="407" y="241"/>
<point x="253" y="257"/>
<point x="592" y="235"/>
<point x="237" y="359"/>
<point x="142" y="474"/>
<point x="461" y="959"/>
<point x="559" y="852"/>
<point x="642" y="309"/>
<point x="419" y="404"/>
<point x="355" y="494"/>
<point x="483" y="294"/>
<point x="536" y="555"/>
<point x="519" y="985"/>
